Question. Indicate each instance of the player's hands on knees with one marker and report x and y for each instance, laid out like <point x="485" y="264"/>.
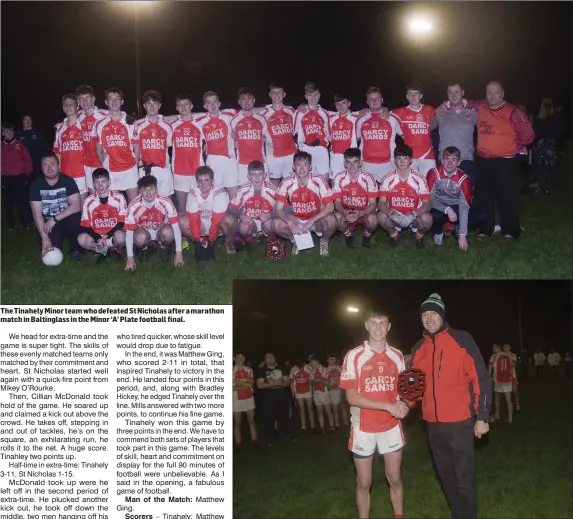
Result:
<point x="351" y="216"/>
<point x="452" y="216"/>
<point x="178" y="259"/>
<point x="463" y="243"/>
<point x="295" y="227"/>
<point x="481" y="428"/>
<point x="130" y="264"/>
<point x="265" y="217"/>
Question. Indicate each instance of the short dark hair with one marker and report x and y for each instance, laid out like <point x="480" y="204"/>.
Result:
<point x="352" y="153"/>
<point x="376" y="312"/>
<point x="255" y="165"/>
<point x="239" y="352"/>
<point x="210" y="93"/>
<point x="152" y="95"/>
<point x="302" y="155"/>
<point x="100" y="173"/>
<point x="332" y="355"/>
<point x="7" y="125"/>
<point x="373" y="90"/>
<point x="341" y="97"/>
<point x="314" y="357"/>
<point x="182" y="97"/>
<point x="276" y="85"/>
<point x="403" y="151"/>
<point x="454" y="83"/>
<point x="244" y="91"/>
<point x="49" y="155"/>
<point x="146" y="181"/>
<point x="113" y="90"/>
<point x="414" y="85"/>
<point x="69" y="96"/>
<point x="452" y="150"/>
<point x="310" y="87"/>
<point x="205" y="170"/>
<point x="85" y="89"/>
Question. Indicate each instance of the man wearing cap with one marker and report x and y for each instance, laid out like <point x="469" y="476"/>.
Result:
<point x="456" y="404"/>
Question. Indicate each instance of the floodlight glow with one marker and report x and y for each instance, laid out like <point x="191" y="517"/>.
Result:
<point x="420" y="26"/>
<point x="352" y="309"/>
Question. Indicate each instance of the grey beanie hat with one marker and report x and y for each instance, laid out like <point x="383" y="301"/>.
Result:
<point x="434" y="303"/>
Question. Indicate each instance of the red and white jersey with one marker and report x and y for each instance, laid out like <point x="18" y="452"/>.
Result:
<point x="249" y="132"/>
<point x="321" y="379"/>
<point x="117" y="139"/>
<point x="87" y="123"/>
<point x="187" y="140"/>
<point x="502" y="368"/>
<point x="377" y="137"/>
<point x="101" y="217"/>
<point x="243" y="374"/>
<point x="154" y="140"/>
<point x="150" y="216"/>
<point x="342" y="130"/>
<point x="415" y="125"/>
<point x="354" y="194"/>
<point x="306" y="201"/>
<point x="280" y="131"/>
<point x="254" y="202"/>
<point x="374" y="375"/>
<point x="513" y="358"/>
<point x="407" y="195"/>
<point x="215" y="201"/>
<point x="334" y="374"/>
<point x="312" y="125"/>
<point x="69" y="144"/>
<point x="301" y="378"/>
<point x="218" y="134"/>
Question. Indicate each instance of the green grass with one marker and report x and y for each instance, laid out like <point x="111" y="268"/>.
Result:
<point x="543" y="252"/>
<point x="524" y="469"/>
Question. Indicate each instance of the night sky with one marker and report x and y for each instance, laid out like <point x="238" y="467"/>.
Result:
<point x="292" y="318"/>
<point x="48" y="48"/>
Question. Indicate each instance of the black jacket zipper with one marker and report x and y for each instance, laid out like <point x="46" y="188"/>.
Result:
<point x="434" y="378"/>
<point x="440" y="365"/>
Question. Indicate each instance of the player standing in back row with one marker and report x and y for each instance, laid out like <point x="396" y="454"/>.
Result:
<point x="415" y="121"/>
<point x="342" y="127"/>
<point x="501" y="370"/>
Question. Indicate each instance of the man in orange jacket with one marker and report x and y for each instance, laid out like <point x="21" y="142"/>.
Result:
<point x="456" y="404"/>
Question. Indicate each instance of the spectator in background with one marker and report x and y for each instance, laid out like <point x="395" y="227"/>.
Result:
<point x="36" y="144"/>
<point x="553" y="359"/>
<point x="538" y="361"/>
<point x="547" y="133"/>
<point x="568" y="364"/>
<point x="525" y="155"/>
<point x="15" y="172"/>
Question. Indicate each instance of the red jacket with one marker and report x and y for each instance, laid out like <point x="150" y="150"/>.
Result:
<point x="15" y="159"/>
<point x="458" y="385"/>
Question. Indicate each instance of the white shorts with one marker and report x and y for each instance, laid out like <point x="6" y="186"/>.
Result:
<point x="312" y="229"/>
<point x="81" y="183"/>
<point x="366" y="443"/>
<point x="422" y="166"/>
<point x="225" y="169"/>
<point x="280" y="167"/>
<point x="320" y="159"/>
<point x="378" y="170"/>
<point x="184" y="183"/>
<point x="244" y="173"/>
<point x="242" y="406"/>
<point x="335" y="396"/>
<point x="303" y="396"/>
<point x="206" y="228"/>
<point x="336" y="164"/>
<point x="502" y="387"/>
<point x="321" y="398"/>
<point x="164" y="180"/>
<point x="123" y="180"/>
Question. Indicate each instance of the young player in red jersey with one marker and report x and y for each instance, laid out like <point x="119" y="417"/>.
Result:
<point x="507" y="350"/>
<point x="404" y="200"/>
<point x="300" y="384"/>
<point x="415" y="121"/>
<point x="342" y="127"/>
<point x="187" y="151"/>
<point x="370" y="377"/>
<point x="355" y="192"/>
<point x="88" y="117"/>
<point x="321" y="393"/>
<point x="312" y="205"/>
<point x="114" y="143"/>
<point x="153" y="137"/>
<point x="103" y="217"/>
<point x="152" y="218"/>
<point x="334" y="373"/>
<point x="243" y="400"/>
<point x="501" y="371"/>
<point x="250" y="213"/>
<point x="69" y="145"/>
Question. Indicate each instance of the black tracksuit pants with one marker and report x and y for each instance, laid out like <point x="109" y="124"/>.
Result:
<point x="452" y="446"/>
<point x="275" y="409"/>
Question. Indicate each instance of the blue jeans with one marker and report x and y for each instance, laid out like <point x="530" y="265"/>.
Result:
<point x="476" y="217"/>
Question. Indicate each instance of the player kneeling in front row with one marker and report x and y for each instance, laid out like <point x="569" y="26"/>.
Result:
<point x="311" y="201"/>
<point x="251" y="211"/>
<point x="404" y="200"/>
<point x="355" y="192"/>
<point x="152" y="222"/>
<point x="206" y="208"/>
<point x="103" y="217"/>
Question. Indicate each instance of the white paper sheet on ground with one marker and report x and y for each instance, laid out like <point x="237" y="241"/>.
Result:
<point x="303" y="241"/>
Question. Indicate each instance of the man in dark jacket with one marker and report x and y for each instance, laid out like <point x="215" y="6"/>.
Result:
<point x="36" y="144"/>
<point x="458" y="390"/>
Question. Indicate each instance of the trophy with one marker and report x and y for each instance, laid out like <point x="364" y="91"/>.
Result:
<point x="411" y="384"/>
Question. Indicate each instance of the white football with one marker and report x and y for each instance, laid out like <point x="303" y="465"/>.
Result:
<point x="52" y="257"/>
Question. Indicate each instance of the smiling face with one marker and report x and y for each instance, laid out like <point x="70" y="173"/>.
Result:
<point x="432" y="321"/>
<point x="378" y="327"/>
